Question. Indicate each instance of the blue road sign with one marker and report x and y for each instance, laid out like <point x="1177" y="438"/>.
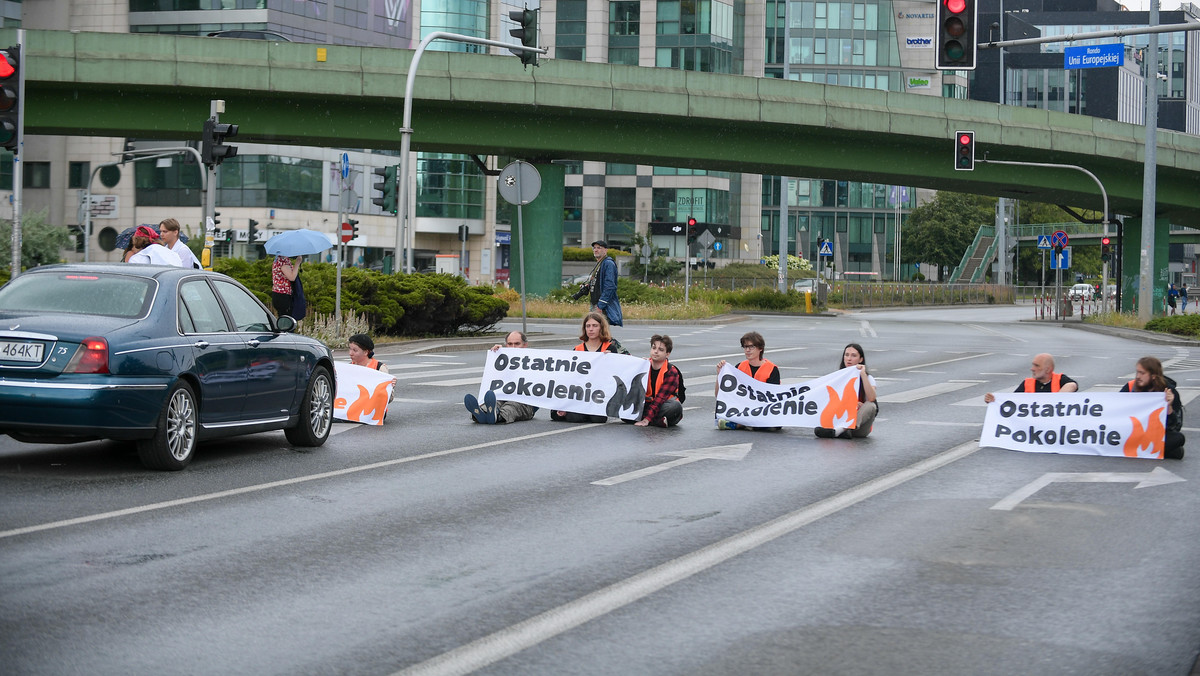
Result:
<point x="345" y="166"/>
<point x="1094" y="56"/>
<point x="1044" y="242"/>
<point x="826" y="249"/>
<point x="716" y="246"/>
<point x="1061" y="260"/>
<point x="1059" y="238"/>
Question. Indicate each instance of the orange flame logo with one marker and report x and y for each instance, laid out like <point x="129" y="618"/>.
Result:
<point x="1148" y="441"/>
<point x="841" y="411"/>
<point x="374" y="404"/>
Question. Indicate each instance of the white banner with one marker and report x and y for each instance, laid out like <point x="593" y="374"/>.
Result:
<point x="362" y="393"/>
<point x="829" y="401"/>
<point x="595" y="383"/>
<point x="1131" y="425"/>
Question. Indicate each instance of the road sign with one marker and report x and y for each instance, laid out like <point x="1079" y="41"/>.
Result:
<point x="1094" y="56"/>
<point x="519" y="183"/>
<point x="1044" y="242"/>
<point x="347" y="232"/>
<point x="706" y="239"/>
<point x="1059" y="238"/>
<point x="345" y="166"/>
<point x="1061" y="260"/>
<point x="826" y="249"/>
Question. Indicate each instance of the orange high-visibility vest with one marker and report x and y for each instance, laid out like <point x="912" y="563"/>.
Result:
<point x="763" y="372"/>
<point x="1055" y="383"/>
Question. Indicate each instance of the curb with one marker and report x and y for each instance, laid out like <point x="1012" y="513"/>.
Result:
<point x="1140" y="335"/>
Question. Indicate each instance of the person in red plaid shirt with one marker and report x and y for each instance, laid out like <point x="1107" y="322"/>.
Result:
<point x="664" y="388"/>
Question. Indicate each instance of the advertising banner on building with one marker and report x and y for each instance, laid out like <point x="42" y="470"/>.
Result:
<point x="1131" y="425"/>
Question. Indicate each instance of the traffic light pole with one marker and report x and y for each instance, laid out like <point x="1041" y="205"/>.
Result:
<point x="18" y="172"/>
<point x="1103" y="194"/>
<point x="403" y="236"/>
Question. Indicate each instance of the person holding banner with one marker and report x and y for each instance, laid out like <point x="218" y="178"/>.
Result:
<point x="492" y="412"/>
<point x="755" y="366"/>
<point x="595" y="337"/>
<point x="362" y="353"/>
<point x="1043" y="379"/>
<point x="1148" y="377"/>
<point x="664" y="387"/>
<point x="853" y="356"/>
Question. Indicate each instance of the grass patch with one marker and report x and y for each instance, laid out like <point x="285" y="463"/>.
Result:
<point x="1126" y="320"/>
<point x="555" y="309"/>
<point x="1179" y="325"/>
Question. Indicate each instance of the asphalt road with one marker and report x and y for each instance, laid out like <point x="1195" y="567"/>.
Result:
<point x="436" y="545"/>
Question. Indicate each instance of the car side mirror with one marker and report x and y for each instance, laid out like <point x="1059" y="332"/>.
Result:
<point x="285" y="323"/>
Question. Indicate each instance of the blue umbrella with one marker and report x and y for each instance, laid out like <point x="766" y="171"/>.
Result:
<point x="127" y="234"/>
<point x="302" y="242"/>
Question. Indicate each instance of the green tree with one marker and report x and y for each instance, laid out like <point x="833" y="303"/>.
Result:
<point x="940" y="230"/>
<point x="41" y="242"/>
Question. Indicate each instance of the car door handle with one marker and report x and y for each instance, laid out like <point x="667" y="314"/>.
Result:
<point x="201" y="344"/>
<point x="253" y="342"/>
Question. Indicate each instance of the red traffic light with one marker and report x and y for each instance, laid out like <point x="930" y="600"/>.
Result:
<point x="1105" y="241"/>
<point x="691" y="222"/>
<point x="956" y="6"/>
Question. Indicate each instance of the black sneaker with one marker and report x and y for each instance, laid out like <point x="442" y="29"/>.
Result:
<point x="823" y="432"/>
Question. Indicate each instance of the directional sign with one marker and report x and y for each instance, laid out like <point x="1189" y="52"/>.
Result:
<point x="1061" y="260"/>
<point x="826" y="249"/>
<point x="1059" y="238"/>
<point x="731" y="452"/>
<point x="1155" y="477"/>
<point x="1094" y="56"/>
<point x="1044" y="242"/>
<point x="345" y="166"/>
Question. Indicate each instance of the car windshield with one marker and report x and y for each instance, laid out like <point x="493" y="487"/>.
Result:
<point x="78" y="293"/>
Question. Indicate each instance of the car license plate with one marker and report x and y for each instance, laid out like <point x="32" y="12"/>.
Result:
<point x="20" y="350"/>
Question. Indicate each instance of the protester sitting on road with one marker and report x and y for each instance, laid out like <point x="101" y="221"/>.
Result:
<point x="754" y="366"/>
<point x="362" y="353"/>
<point x="595" y="338"/>
<point x="868" y="407"/>
<point x="1148" y="377"/>
<point x="1043" y="379"/>
<point x="492" y="412"/>
<point x="664" y="387"/>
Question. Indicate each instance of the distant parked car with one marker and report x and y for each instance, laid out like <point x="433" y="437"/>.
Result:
<point x="161" y="356"/>
<point x="809" y="285"/>
<point x="1081" y="292"/>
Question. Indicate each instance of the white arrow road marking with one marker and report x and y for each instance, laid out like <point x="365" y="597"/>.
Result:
<point x="1156" y="477"/>
<point x="731" y="452"/>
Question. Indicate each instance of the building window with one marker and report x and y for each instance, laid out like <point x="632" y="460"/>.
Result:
<point x="573" y="209"/>
<point x="624" y="18"/>
<point x="620" y="212"/>
<point x="78" y="175"/>
<point x="37" y="174"/>
<point x="570" y="38"/>
<point x="448" y="186"/>
<point x="177" y="184"/>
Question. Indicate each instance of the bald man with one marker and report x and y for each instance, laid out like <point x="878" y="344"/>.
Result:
<point x="1043" y="379"/>
<point x="492" y="412"/>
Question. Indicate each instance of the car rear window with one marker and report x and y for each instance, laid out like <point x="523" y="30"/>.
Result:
<point x="79" y="293"/>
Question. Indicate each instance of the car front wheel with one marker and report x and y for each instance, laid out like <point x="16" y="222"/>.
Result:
<point x="174" y="440"/>
<point x="316" y="411"/>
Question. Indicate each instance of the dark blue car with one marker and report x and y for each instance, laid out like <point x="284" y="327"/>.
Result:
<point x="163" y="356"/>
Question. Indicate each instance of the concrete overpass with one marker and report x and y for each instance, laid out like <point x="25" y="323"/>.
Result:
<point x="158" y="86"/>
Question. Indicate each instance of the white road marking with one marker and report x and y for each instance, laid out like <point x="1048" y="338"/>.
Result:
<point x="730" y="452"/>
<point x="933" y="390"/>
<point x="1155" y="477"/>
<point x="995" y="332"/>
<point x="512" y="640"/>
<point x="943" y="423"/>
<point x="944" y="361"/>
<point x="277" y="484"/>
<point x="866" y="331"/>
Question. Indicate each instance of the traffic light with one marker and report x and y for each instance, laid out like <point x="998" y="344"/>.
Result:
<point x="692" y="231"/>
<point x="527" y="34"/>
<point x="10" y="91"/>
<point x="1105" y="252"/>
<point x="387" y="187"/>
<point x="252" y="231"/>
<point x="127" y="154"/>
<point x="212" y="142"/>
<point x="964" y="150"/>
<point x="216" y="218"/>
<point x="353" y="228"/>
<point x="955" y="35"/>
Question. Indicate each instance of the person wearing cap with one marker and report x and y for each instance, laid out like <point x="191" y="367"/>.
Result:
<point x="603" y="285"/>
<point x="147" y="250"/>
<point x="362" y="353"/>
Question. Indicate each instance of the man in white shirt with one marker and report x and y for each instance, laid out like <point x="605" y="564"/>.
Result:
<point x="153" y="253"/>
<point x="169" y="229"/>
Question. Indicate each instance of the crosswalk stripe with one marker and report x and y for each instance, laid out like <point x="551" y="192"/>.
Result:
<point x="922" y="392"/>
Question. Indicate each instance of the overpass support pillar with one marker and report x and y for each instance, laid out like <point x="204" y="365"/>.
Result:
<point x="542" y="222"/>
<point x="1131" y="256"/>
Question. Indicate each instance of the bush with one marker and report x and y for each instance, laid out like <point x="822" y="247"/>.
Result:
<point x="398" y="304"/>
<point x="1179" y="325"/>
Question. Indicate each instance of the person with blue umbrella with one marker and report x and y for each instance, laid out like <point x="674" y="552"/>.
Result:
<point x="289" y="247"/>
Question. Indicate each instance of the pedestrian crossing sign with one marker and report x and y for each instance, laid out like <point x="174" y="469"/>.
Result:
<point x="1044" y="242"/>
<point x="826" y="249"/>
